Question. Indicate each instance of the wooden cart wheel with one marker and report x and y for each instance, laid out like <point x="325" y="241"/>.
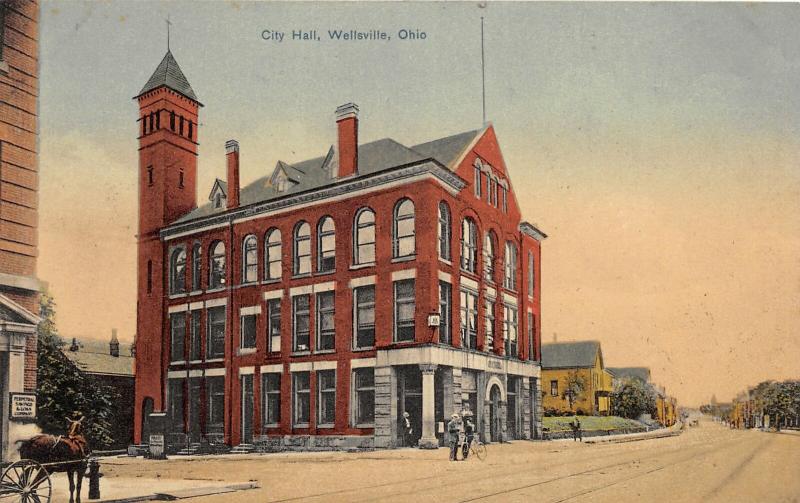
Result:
<point x="25" y="481"/>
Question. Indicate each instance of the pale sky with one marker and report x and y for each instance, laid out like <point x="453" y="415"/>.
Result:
<point x="656" y="144"/>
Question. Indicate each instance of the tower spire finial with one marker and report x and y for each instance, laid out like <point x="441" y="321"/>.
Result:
<point x="168" y="25"/>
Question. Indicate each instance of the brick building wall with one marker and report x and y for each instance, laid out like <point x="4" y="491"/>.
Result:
<point x="19" y="91"/>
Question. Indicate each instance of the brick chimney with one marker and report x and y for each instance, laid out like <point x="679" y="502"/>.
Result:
<point x="232" y="155"/>
<point x="347" y="124"/>
<point x="113" y="346"/>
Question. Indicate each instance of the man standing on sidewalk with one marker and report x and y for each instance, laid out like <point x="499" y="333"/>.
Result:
<point x="469" y="434"/>
<point x="453" y="430"/>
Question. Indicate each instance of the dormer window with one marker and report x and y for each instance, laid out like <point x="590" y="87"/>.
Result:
<point x="218" y="196"/>
<point x="218" y="200"/>
<point x="281" y="183"/>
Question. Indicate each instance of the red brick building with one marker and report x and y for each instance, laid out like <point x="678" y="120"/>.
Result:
<point x="19" y="166"/>
<point x="315" y="306"/>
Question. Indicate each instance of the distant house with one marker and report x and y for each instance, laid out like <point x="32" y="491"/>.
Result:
<point x="640" y="373"/>
<point x="113" y="363"/>
<point x="583" y="359"/>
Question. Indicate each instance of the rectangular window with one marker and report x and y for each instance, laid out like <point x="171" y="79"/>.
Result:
<point x="364" y="397"/>
<point x="404" y="308"/>
<point x="530" y="275"/>
<point x="302" y="322"/>
<point x="445" y="298"/>
<point x="248" y="331"/>
<point x="176" y="403"/>
<point x="195" y="334"/>
<point x="488" y="318"/>
<point x="177" y="322"/>
<point x="274" y="325"/>
<point x="301" y="398"/>
<point x="271" y="401"/>
<point x="326" y="398"/>
<point x="364" y="316"/>
<point x="504" y="199"/>
<point x="215" y="344"/>
<point x="554" y="387"/>
<point x="494" y="193"/>
<point x="477" y="182"/>
<point x="531" y="333"/>
<point x="326" y="323"/>
<point x="510" y="324"/>
<point x="469" y="319"/>
<point x="215" y="396"/>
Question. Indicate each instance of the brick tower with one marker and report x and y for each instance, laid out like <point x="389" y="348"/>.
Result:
<point x="168" y="133"/>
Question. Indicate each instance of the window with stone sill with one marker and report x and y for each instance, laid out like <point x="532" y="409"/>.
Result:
<point x="271" y="399"/>
<point x="272" y="254"/>
<point x="301" y="398"/>
<point x="364" y="307"/>
<point x="216" y="269"/>
<point x="177" y="322"/>
<point x="177" y="271"/>
<point x="197" y="266"/>
<point x="250" y="259"/>
<point x="215" y="343"/>
<point x="195" y="335"/>
<point x="326" y="323"/>
<point x="469" y="245"/>
<point x="248" y="331"/>
<point x="364" y="396"/>
<point x="301" y="263"/>
<point x="364" y="237"/>
<point x="444" y="231"/>
<point x="403" y="231"/>
<point x="326" y="397"/>
<point x="301" y="313"/>
<point x="274" y="325"/>
<point x="326" y="244"/>
<point x="404" y="302"/>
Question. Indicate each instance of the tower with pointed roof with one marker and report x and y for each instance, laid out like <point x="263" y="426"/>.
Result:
<point x="168" y="131"/>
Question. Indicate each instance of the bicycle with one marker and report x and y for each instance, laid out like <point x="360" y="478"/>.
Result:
<point x="476" y="448"/>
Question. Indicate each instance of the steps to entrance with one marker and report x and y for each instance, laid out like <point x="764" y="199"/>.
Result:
<point x="243" y="449"/>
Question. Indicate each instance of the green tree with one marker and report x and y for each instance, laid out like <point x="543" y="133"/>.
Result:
<point x="631" y="398"/>
<point x="64" y="388"/>
<point x="575" y="388"/>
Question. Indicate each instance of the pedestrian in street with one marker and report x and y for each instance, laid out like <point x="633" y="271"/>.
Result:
<point x="469" y="434"/>
<point x="578" y="430"/>
<point x="453" y="431"/>
<point x="407" y="429"/>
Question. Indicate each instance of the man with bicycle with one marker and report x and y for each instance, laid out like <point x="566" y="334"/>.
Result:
<point x="469" y="433"/>
<point x="454" y="431"/>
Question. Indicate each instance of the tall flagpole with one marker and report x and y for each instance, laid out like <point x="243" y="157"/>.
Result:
<point x="483" y="75"/>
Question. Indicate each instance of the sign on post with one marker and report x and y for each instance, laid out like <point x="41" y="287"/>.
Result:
<point x="23" y="406"/>
<point x="157" y="446"/>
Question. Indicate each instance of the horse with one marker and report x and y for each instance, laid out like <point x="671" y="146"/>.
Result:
<point x="68" y="453"/>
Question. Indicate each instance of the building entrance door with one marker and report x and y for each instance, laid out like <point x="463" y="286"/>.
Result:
<point x="247" y="409"/>
<point x="409" y="399"/>
<point x="194" y="409"/>
<point x="494" y="414"/>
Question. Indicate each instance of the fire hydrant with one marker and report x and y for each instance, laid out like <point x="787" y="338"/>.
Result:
<point x="94" y="479"/>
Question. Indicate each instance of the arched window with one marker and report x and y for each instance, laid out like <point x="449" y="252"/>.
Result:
<point x="250" y="259"/>
<point x="326" y="245"/>
<point x="177" y="271"/>
<point x="469" y="245"/>
<point x="489" y="255"/>
<point x="364" y="243"/>
<point x="197" y="265"/>
<point x="302" y="248"/>
<point x="216" y="265"/>
<point x="510" y="277"/>
<point x="404" y="241"/>
<point x="444" y="231"/>
<point x="272" y="254"/>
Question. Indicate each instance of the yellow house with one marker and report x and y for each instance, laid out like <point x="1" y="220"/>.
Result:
<point x="565" y="364"/>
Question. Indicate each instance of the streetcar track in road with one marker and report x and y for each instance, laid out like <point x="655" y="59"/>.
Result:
<point x="458" y="480"/>
<point x="727" y="444"/>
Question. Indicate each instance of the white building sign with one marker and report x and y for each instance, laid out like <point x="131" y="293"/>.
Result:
<point x="23" y="406"/>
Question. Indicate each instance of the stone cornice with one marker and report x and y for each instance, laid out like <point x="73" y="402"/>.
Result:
<point x="529" y="230"/>
<point x="343" y="188"/>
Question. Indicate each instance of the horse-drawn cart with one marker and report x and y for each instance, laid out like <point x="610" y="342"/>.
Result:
<point x="24" y="481"/>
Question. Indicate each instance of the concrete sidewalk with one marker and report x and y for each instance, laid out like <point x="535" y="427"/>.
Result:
<point x="134" y="489"/>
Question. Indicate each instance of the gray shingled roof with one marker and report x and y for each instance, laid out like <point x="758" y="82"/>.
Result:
<point x="373" y="157"/>
<point x="569" y="354"/>
<point x="169" y="74"/>
<point x="641" y="373"/>
<point x="94" y="357"/>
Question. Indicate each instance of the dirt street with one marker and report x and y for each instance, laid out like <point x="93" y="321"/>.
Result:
<point x="706" y="463"/>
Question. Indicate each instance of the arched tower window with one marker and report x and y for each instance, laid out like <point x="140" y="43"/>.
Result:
<point x="272" y="260"/>
<point x="404" y="240"/>
<point x="216" y="269"/>
<point x="364" y="237"/>
<point x="250" y="259"/>
<point x="302" y="249"/>
<point x="197" y="266"/>
<point x="469" y="245"/>
<point x="326" y="245"/>
<point x="177" y="271"/>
